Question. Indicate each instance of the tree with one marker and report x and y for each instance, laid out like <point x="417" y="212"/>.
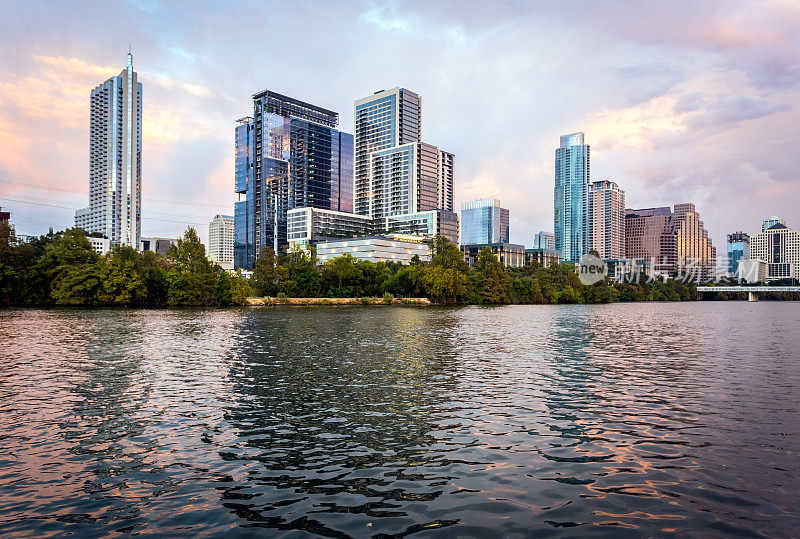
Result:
<point x="491" y="277"/>
<point x="193" y="278"/>
<point x="121" y="278"/>
<point x="265" y="274"/>
<point x="78" y="285"/>
<point x="239" y="289"/>
<point x="342" y="275"/>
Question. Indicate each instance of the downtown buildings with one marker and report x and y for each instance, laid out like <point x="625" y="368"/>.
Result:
<point x="302" y="181"/>
<point x="115" y="160"/>
<point x="289" y="154"/>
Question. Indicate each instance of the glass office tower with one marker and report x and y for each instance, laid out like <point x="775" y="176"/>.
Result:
<point x="483" y="221"/>
<point x="297" y="159"/>
<point x="243" y="247"/>
<point x="570" y="217"/>
<point x="738" y="249"/>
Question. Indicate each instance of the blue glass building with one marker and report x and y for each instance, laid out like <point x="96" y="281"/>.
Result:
<point x="243" y="247"/>
<point x="570" y="219"/>
<point x="483" y="222"/>
<point x="289" y="155"/>
<point x="738" y="249"/>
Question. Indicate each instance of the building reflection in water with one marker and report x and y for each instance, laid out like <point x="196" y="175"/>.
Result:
<point x="337" y="410"/>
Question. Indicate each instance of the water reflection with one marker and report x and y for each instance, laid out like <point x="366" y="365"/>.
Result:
<point x="619" y="419"/>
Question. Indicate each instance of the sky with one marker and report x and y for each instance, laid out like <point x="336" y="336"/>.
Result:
<point x="680" y="101"/>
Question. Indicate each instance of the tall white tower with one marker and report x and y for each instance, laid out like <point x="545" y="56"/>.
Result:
<point x="115" y="160"/>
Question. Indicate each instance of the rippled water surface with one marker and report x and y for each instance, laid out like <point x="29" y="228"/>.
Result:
<point x="616" y="420"/>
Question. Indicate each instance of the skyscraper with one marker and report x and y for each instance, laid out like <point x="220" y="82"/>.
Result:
<point x="606" y="219"/>
<point x="738" y="249"/>
<point x="396" y="174"/>
<point x="648" y="238"/>
<point x="386" y="120"/>
<point x="570" y="196"/>
<point x="115" y="160"/>
<point x="676" y="242"/>
<point x="779" y="247"/>
<point x="291" y="155"/>
<point x="484" y="221"/>
<point x="220" y="240"/>
<point x="243" y="232"/>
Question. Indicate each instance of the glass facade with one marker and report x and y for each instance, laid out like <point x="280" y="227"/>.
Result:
<point x="570" y="197"/>
<point x="484" y="221"/>
<point x="544" y="240"/>
<point x="738" y="249"/>
<point x="289" y="155"/>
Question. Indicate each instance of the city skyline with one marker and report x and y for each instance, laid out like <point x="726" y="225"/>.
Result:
<point x="676" y="115"/>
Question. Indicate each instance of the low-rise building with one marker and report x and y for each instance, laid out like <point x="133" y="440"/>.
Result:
<point x="100" y="245"/>
<point x="752" y="270"/>
<point x="510" y="255"/>
<point x="428" y="223"/>
<point x="382" y="248"/>
<point x="312" y="225"/>
<point x="543" y="257"/>
<point x="157" y="245"/>
<point x="629" y="270"/>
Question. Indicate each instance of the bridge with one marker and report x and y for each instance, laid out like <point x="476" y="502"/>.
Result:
<point x="752" y="291"/>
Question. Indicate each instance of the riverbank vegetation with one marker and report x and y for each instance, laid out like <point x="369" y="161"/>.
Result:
<point x="62" y="269"/>
<point x="446" y="279"/>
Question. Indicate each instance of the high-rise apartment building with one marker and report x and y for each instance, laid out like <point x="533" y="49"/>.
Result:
<point x="544" y="240"/>
<point x="606" y="219"/>
<point x="779" y="247"/>
<point x="291" y="155"/>
<point x="483" y="222"/>
<point x="396" y="174"/>
<point x="571" y="196"/>
<point x="115" y="160"/>
<point x="738" y="249"/>
<point x="676" y="242"/>
<point x="220" y="240"/>
<point x="386" y="120"/>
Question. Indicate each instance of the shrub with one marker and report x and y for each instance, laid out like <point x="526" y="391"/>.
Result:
<point x="388" y="298"/>
<point x="281" y="297"/>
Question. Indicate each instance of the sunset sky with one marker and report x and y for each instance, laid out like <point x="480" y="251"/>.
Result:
<point x="680" y="101"/>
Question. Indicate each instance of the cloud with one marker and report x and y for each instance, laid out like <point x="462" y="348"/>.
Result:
<point x="680" y="101"/>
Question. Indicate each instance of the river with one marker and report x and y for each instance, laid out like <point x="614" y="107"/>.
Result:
<point x="610" y="420"/>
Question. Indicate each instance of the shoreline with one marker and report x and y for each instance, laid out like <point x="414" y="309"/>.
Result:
<point x="328" y="302"/>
